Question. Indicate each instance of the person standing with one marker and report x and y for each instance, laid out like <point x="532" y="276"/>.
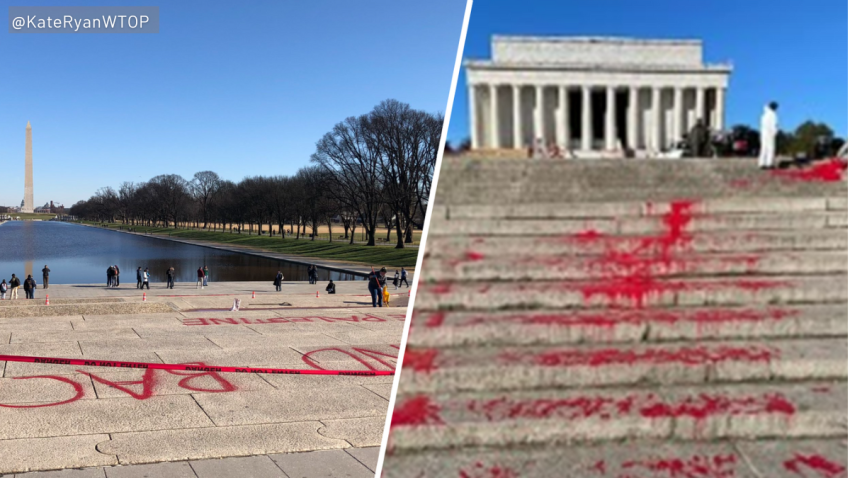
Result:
<point x="200" y="283"/>
<point x="14" y="284"/>
<point x="44" y="275"/>
<point x="396" y="280"/>
<point x="29" y="287"/>
<point x="117" y="276"/>
<point x="139" y="278"/>
<point x="206" y="276"/>
<point x="110" y="276"/>
<point x="278" y="281"/>
<point x="377" y="281"/>
<point x="404" y="277"/>
<point x="331" y="288"/>
<point x="170" y="275"/>
<point x="146" y="279"/>
<point x="3" y="288"/>
<point x="769" y="129"/>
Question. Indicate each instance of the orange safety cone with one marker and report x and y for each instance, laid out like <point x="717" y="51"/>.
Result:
<point x="317" y="294"/>
<point x="253" y="295"/>
<point x="144" y="297"/>
<point x="47" y="299"/>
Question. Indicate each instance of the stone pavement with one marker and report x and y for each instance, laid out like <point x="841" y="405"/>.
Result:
<point x="628" y="319"/>
<point x="350" y="462"/>
<point x="55" y="417"/>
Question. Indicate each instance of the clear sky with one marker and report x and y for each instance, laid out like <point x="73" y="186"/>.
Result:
<point x="791" y="51"/>
<point x="238" y="87"/>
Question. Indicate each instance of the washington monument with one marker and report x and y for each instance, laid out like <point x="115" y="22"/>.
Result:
<point x="28" y="202"/>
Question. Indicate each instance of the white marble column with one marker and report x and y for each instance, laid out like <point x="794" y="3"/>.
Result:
<point x="473" y="118"/>
<point x="586" y="120"/>
<point x="494" y="116"/>
<point x="563" y="122"/>
<point x="517" y="91"/>
<point x="634" y="102"/>
<point x="701" y="106"/>
<point x="610" y="118"/>
<point x="678" y="104"/>
<point x="656" y="123"/>
<point x="539" y="130"/>
<point x="720" y="109"/>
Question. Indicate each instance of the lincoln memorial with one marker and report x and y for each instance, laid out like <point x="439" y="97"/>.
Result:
<point x="593" y="96"/>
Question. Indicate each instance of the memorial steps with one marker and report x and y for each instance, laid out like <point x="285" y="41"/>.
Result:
<point x="692" y="327"/>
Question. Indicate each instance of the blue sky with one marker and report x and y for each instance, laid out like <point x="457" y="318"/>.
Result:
<point x="240" y="88"/>
<point x="792" y="51"/>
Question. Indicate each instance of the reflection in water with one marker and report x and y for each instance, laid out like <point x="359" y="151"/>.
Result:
<point x="80" y="255"/>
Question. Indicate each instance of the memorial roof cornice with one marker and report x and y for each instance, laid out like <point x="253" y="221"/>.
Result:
<point x="625" y="68"/>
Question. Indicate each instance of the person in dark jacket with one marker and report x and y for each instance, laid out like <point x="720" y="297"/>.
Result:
<point x="170" y="275"/>
<point x="377" y="281"/>
<point x="278" y="281"/>
<point x="117" y="276"/>
<point x="331" y="288"/>
<point x="29" y="287"/>
<point x="110" y="276"/>
<point x="139" y="278"/>
<point x="14" y="285"/>
<point x="44" y="275"/>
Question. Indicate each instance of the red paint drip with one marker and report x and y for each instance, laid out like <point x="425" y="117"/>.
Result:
<point x="650" y="405"/>
<point x="416" y="411"/>
<point x="697" y="466"/>
<point x="474" y="256"/>
<point x="440" y="289"/>
<point x="829" y="171"/>
<point x="816" y="463"/>
<point x="479" y="470"/>
<point x="422" y="361"/>
<point x="436" y="319"/>
<point x="699" y="355"/>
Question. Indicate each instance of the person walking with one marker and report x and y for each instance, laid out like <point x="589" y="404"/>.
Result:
<point x="117" y="276"/>
<point x="29" y="287"/>
<point x="206" y="276"/>
<point x="278" y="281"/>
<point x="14" y="284"/>
<point x="169" y="284"/>
<point x="200" y="283"/>
<point x="404" y="278"/>
<point x="377" y="281"/>
<point x="4" y="287"/>
<point x="146" y="279"/>
<point x="395" y="280"/>
<point x="769" y="129"/>
<point x="139" y="278"/>
<point x="44" y="275"/>
<point x="331" y="288"/>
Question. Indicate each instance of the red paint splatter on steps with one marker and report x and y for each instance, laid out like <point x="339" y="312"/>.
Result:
<point x="420" y="360"/>
<point x="416" y="411"/>
<point x="440" y="289"/>
<point x="697" y="466"/>
<point x="817" y="463"/>
<point x="698" y="407"/>
<point x="698" y="355"/>
<point x="825" y="171"/>
<point x="474" y="256"/>
<point x="479" y="470"/>
<point x="436" y="319"/>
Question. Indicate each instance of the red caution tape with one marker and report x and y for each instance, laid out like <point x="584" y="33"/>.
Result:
<point x="191" y="368"/>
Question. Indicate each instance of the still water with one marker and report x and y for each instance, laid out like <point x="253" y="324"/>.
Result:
<point x="80" y="255"/>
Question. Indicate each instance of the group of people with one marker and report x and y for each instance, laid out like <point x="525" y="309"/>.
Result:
<point x="14" y="284"/>
<point x="143" y="278"/>
<point x="112" y="274"/>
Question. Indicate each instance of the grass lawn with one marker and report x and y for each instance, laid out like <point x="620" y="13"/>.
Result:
<point x="43" y="217"/>
<point x="371" y="255"/>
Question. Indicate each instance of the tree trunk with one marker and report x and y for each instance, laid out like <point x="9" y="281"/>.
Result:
<point x="399" y="233"/>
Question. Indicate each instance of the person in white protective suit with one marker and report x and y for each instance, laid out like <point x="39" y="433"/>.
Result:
<point x="769" y="129"/>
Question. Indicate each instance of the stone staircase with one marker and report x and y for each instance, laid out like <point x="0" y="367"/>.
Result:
<point x="628" y="319"/>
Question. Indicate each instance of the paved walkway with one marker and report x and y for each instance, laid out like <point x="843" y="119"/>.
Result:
<point x="351" y="462"/>
<point x="69" y="417"/>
